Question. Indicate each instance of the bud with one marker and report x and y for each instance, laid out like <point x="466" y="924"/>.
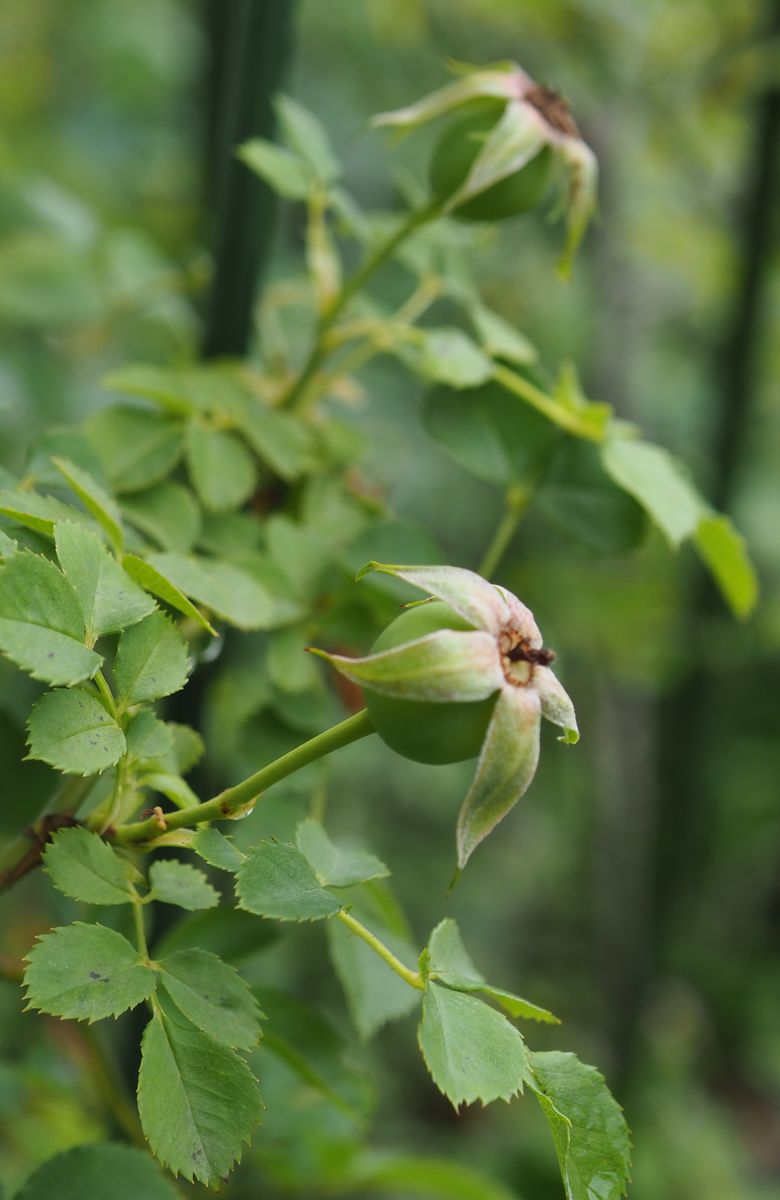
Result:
<point x="496" y="162"/>
<point x="484" y="673"/>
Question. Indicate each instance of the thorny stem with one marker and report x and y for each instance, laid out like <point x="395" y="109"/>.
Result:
<point x="417" y="217"/>
<point x="24" y="853"/>
<point x="413" y="978"/>
<point x="235" y="800"/>
<point x="517" y="499"/>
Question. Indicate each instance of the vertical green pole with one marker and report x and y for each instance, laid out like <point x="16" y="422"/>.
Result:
<point x="249" y="50"/>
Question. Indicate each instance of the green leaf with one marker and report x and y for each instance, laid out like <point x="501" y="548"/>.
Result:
<point x="275" y="880"/>
<point x="221" y="468"/>
<point x="174" y="882"/>
<point x="72" y="731"/>
<point x="84" y="867"/>
<point x="280" y="439"/>
<point x="578" y="496"/>
<point x="374" y="993"/>
<point x="307" y="136"/>
<point x="41" y="627"/>
<point x="151" y="579"/>
<point x="98" y="1173"/>
<point x="723" y="551"/>
<point x="418" y="1175"/>
<point x="175" y="390"/>
<point x="287" y="173"/>
<point x="472" y="1051"/>
<point x="227" y="590"/>
<point x="38" y="513"/>
<point x="137" y="448"/>
<point x="95" y="499"/>
<point x="212" y="995"/>
<point x="289" y="667"/>
<point x="62" y="443"/>
<point x="108" y="597"/>
<point x="499" y="338"/>
<point x="151" y="660"/>
<point x="451" y="965"/>
<point x="490" y="432"/>
<point x="450" y="356"/>
<point x="589" y="1130"/>
<point x="217" y="850"/>
<point x="148" y="737"/>
<point x="333" y="864"/>
<point x="85" y="973"/>
<point x="657" y="481"/>
<point x="7" y="545"/>
<point x="232" y="934"/>
<point x="198" y="1101"/>
<point x="167" y="513"/>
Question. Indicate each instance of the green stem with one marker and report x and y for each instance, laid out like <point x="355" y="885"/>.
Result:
<point x="106" y="695"/>
<point x="416" y="218"/>
<point x="413" y="978"/>
<point x="517" y="499"/>
<point x="140" y="929"/>
<point x="233" y="800"/>
<point x="551" y="408"/>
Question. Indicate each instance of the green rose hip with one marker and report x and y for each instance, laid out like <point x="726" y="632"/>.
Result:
<point x="421" y="730"/>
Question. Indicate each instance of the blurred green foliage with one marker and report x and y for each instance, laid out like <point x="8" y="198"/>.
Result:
<point x="636" y="890"/>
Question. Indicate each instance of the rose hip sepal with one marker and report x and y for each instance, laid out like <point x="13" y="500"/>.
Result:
<point x="503" y="655"/>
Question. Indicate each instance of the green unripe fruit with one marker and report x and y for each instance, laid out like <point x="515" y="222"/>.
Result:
<point x="454" y="156"/>
<point x="424" y="731"/>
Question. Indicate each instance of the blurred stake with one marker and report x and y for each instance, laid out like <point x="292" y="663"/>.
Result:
<point x="250" y="46"/>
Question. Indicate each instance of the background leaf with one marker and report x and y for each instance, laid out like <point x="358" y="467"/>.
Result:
<point x="221" y="468"/>
<point x="179" y="883"/>
<point x="101" y="1173"/>
<point x="333" y="864"/>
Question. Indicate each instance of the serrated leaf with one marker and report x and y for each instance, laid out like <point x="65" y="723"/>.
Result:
<point x="174" y="882"/>
<point x="333" y="865"/>
<point x="151" y="660"/>
<point x="151" y="579"/>
<point x="287" y="173"/>
<point x="275" y="880"/>
<point x="217" y="850"/>
<point x="724" y="552"/>
<point x="227" y="590"/>
<point x="86" y="973"/>
<point x="62" y="443"/>
<point x="490" y="432"/>
<point x="212" y="994"/>
<point x="471" y="1050"/>
<point x="374" y="993"/>
<point x="450" y="356"/>
<point x="451" y="965"/>
<point x="589" y="1131"/>
<point x="657" y="481"/>
<point x="108" y="597"/>
<point x="280" y="439"/>
<point x="168" y="513"/>
<point x="38" y="513"/>
<point x="95" y="499"/>
<point x="198" y="1101"/>
<point x="71" y="730"/>
<point x="137" y="448"/>
<point x="221" y="468"/>
<point x="307" y="136"/>
<point x="41" y="627"/>
<point x="81" y="865"/>
<point x="98" y="1172"/>
<point x="148" y="737"/>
